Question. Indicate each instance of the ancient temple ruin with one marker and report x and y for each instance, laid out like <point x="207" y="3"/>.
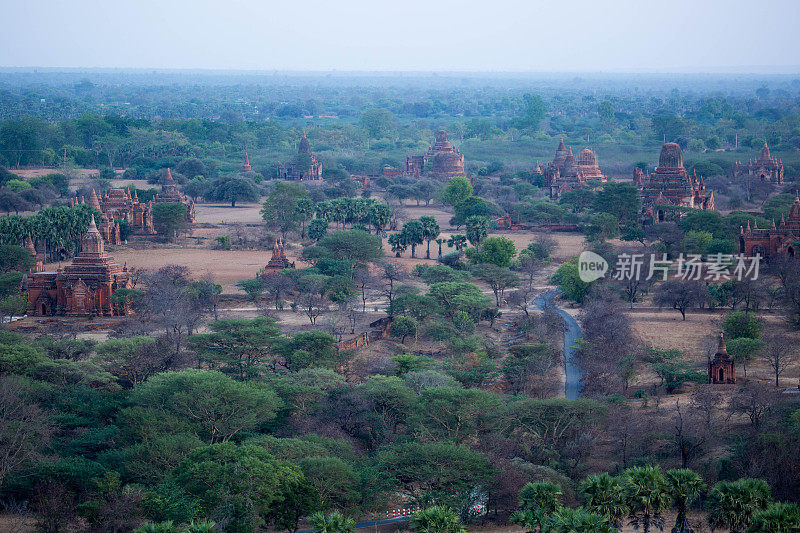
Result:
<point x="304" y="166"/>
<point x="565" y="173"/>
<point x="170" y="194"/>
<point x="780" y="239"/>
<point x="671" y="185"/>
<point x="766" y="168"/>
<point x="82" y="289"/>
<point x="278" y="261"/>
<point x="120" y="204"/>
<point x="722" y="368"/>
<point x="442" y="160"/>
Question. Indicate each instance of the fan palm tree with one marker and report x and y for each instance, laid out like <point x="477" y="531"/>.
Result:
<point x="578" y="520"/>
<point x="733" y="504"/>
<point x="777" y="518"/>
<point x="436" y="520"/>
<point x="430" y="230"/>
<point x="440" y="241"/>
<point x="646" y="495"/>
<point x="603" y="495"/>
<point x="334" y="522"/>
<point x="538" y="501"/>
<point x="685" y="486"/>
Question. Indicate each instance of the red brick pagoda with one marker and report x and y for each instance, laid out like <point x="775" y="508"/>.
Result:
<point x="722" y="368"/>
<point x="38" y="265"/>
<point x="304" y="167"/>
<point x="780" y="239"/>
<point x="278" y="261"/>
<point x="170" y="194"/>
<point x="119" y="204"/>
<point x="767" y="168"/>
<point x="82" y="289"/>
<point x="671" y="185"/>
<point x="445" y="160"/>
<point x="564" y="173"/>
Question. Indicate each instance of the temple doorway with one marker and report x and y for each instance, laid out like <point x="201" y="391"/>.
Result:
<point x="721" y="375"/>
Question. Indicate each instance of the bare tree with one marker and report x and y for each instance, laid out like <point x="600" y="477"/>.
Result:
<point x="689" y="435"/>
<point x="390" y="273"/>
<point x="523" y="298"/>
<point x="54" y="506"/>
<point x="364" y="281"/>
<point x="23" y="427"/>
<point x="681" y="295"/>
<point x="780" y="353"/>
<point x="277" y="286"/>
<point x="706" y="402"/>
<point x="632" y="287"/>
<point x="168" y="303"/>
<point x="754" y="401"/>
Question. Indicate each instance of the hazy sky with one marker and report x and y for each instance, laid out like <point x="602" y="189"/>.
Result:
<point x="486" y="35"/>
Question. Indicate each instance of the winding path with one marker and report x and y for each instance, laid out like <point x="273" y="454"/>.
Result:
<point x="572" y="372"/>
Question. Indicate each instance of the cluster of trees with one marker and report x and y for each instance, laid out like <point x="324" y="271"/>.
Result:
<point x="289" y="207"/>
<point x="56" y="231"/>
<point x="643" y="494"/>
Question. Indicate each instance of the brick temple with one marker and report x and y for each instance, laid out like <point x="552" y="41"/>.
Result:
<point x="119" y="204"/>
<point x="722" y="368"/>
<point x="170" y="194"/>
<point x="766" y="168"/>
<point x="278" y="261"/>
<point x="565" y="173"/>
<point x="304" y="166"/>
<point x="442" y="160"/>
<point x="780" y="239"/>
<point x="671" y="185"/>
<point x="38" y="265"/>
<point x="82" y="289"/>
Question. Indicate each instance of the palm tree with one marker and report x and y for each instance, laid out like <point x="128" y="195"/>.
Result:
<point x="538" y="501"/>
<point x="436" y="520"/>
<point x="430" y="230"/>
<point x="646" y="495"/>
<point x="578" y="520"/>
<point x="200" y="527"/>
<point x="440" y="241"/>
<point x="733" y="504"/>
<point x="777" y="518"/>
<point x="685" y="486"/>
<point x="603" y="495"/>
<point x="335" y="522"/>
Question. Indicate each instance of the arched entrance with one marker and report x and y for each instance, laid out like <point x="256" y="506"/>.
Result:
<point x="721" y="375"/>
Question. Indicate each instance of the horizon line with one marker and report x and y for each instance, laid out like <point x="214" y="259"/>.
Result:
<point x="748" y="70"/>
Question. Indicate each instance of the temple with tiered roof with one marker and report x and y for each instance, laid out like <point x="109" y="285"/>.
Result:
<point x="304" y="166"/>
<point x="564" y="173"/>
<point x="722" y="368"/>
<point x="278" y="261"/>
<point x="781" y="239"/>
<point x="767" y="168"/>
<point x="82" y="289"/>
<point x="671" y="185"/>
<point x="442" y="160"/>
<point x="170" y="194"/>
<point x="120" y="204"/>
